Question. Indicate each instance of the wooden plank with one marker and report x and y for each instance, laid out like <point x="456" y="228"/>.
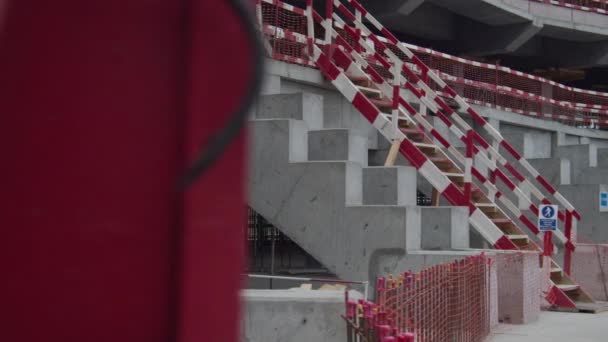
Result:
<point x="393" y="153"/>
<point x="435" y="198"/>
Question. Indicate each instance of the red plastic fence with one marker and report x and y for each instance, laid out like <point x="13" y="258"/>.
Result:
<point x="590" y="269"/>
<point x="447" y="302"/>
<point x="597" y="6"/>
<point x="285" y="29"/>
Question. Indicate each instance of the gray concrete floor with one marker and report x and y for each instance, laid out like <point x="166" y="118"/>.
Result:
<point x="556" y="327"/>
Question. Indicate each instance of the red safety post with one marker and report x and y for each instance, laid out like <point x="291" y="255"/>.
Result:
<point x="569" y="248"/>
<point x="548" y="243"/>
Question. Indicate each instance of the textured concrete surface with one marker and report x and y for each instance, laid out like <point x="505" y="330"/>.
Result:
<point x="519" y="287"/>
<point x="586" y="199"/>
<point x="338" y="112"/>
<point x="444" y="228"/>
<point x="555" y="327"/>
<point x="293" y="316"/>
<point x="309" y="201"/>
<point x="291" y="106"/>
<point x="581" y="158"/>
<point x="389" y="185"/>
<point x="602" y="157"/>
<point x="337" y="144"/>
<point x="592" y="175"/>
<point x="555" y="170"/>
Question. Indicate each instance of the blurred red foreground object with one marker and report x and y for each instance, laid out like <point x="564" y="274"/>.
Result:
<point x="103" y="104"/>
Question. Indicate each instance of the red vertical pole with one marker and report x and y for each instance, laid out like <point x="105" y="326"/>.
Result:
<point x="548" y="243"/>
<point x="569" y="245"/>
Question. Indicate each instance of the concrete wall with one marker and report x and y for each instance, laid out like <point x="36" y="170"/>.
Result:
<point x="293" y="316"/>
<point x="519" y="287"/>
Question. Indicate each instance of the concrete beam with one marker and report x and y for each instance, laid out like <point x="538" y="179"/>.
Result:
<point x="410" y="6"/>
<point x="571" y="54"/>
<point x="428" y="22"/>
<point x="483" y="40"/>
<point x="387" y="6"/>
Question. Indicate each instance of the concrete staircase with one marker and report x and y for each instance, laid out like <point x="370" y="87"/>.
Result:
<point x="314" y="184"/>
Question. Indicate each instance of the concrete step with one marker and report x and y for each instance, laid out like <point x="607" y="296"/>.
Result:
<point x="299" y="106"/>
<point x="337" y="144"/>
<point x="319" y="204"/>
<point x="443" y="228"/>
<point x="389" y="185"/>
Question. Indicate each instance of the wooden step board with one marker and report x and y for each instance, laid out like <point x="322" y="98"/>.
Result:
<point x="370" y="92"/>
<point x="383" y="104"/>
<point x="568" y="287"/>
<point x="359" y="80"/>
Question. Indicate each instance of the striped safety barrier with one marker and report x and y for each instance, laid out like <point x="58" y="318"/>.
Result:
<point x="362" y="67"/>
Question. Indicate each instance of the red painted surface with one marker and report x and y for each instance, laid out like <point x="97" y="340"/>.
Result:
<point x="548" y="243"/>
<point x="94" y="133"/>
<point x="558" y="298"/>
<point x="569" y="248"/>
<point x="505" y="243"/>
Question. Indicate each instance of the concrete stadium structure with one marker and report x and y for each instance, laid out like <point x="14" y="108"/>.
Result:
<point x="318" y="166"/>
<point x="542" y="33"/>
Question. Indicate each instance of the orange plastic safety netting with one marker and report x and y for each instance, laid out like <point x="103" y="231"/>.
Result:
<point x="447" y="302"/>
<point x="590" y="267"/>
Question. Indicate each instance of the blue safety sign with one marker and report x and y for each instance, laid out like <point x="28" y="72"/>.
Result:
<point x="547" y="217"/>
<point x="603" y="200"/>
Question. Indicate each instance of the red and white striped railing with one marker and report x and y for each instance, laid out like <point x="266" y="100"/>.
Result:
<point x="480" y="83"/>
<point x="451" y="118"/>
<point x="355" y="52"/>
<point x="444" y="112"/>
<point x="595" y="6"/>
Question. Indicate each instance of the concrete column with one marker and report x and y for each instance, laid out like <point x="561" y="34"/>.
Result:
<point x="271" y="85"/>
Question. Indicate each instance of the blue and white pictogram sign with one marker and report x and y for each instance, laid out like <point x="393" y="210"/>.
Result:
<point x="603" y="200"/>
<point x="547" y="217"/>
